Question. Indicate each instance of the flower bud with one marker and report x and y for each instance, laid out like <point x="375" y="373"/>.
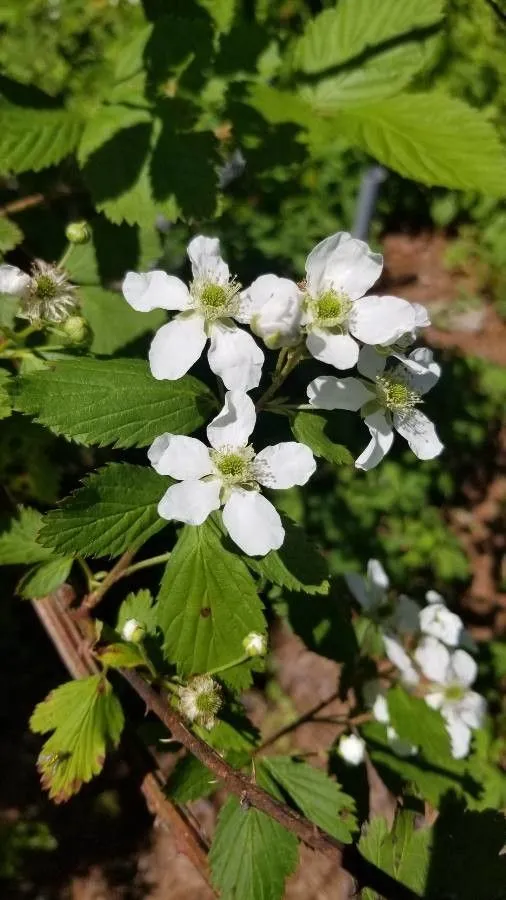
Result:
<point x="78" y="232"/>
<point x="255" y="644"/>
<point x="201" y="700"/>
<point x="133" y="631"/>
<point x="275" y="310"/>
<point x="352" y="749"/>
<point x="76" y="330"/>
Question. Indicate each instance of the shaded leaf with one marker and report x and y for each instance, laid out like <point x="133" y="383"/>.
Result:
<point x="190" y="780"/>
<point x="18" y="539"/>
<point x="45" y="578"/>
<point x="314" y="429"/>
<point x="297" y="565"/>
<point x="114" y="323"/>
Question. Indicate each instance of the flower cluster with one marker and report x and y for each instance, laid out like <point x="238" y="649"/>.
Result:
<point x="426" y="645"/>
<point x="328" y="317"/>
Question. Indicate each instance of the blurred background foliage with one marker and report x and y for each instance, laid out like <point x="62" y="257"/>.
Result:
<point x="221" y="129"/>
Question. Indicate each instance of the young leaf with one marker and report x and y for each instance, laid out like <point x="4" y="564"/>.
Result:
<point x="138" y="606"/>
<point x="190" y="780"/>
<point x="10" y="234"/>
<point x="338" y="35"/>
<point x="18" y="539"/>
<point x="121" y="655"/>
<point x="115" y="324"/>
<point x="310" y="428"/>
<point x="417" y="723"/>
<point x="251" y="855"/>
<point x="297" y="565"/>
<point x="207" y="602"/>
<point x="86" y="719"/>
<point x="35" y="138"/>
<point x="115" y="402"/>
<point x="42" y="579"/>
<point x="317" y="796"/>
<point x="115" y="510"/>
<point x="427" y="137"/>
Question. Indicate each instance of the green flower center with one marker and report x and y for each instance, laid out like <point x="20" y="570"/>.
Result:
<point x="214" y="297"/>
<point x="454" y="692"/>
<point x="330" y="309"/>
<point x="45" y="287"/>
<point x="233" y="465"/>
<point x="208" y="703"/>
<point x="396" y="395"/>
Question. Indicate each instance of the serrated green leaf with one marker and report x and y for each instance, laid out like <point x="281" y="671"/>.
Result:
<point x="297" y="565"/>
<point x="45" y="578"/>
<point x="104" y="123"/>
<point x="313" y="429"/>
<point x="114" y="511"/>
<point x="137" y="606"/>
<point x="318" y="797"/>
<point x="338" y="35"/>
<point x="233" y="733"/>
<point x="427" y="137"/>
<point x="222" y="11"/>
<point x="190" y="780"/>
<point x="5" y="397"/>
<point x="18" y="539"/>
<point x="10" y="234"/>
<point x="403" y="852"/>
<point x="113" y="322"/>
<point x="115" y="402"/>
<point x="207" y="602"/>
<point x="87" y="719"/>
<point x="251" y="854"/>
<point x="120" y="655"/>
<point x="35" y="138"/>
<point x="371" y="845"/>
<point x="416" y="722"/>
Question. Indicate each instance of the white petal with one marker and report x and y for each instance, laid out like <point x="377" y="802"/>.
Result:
<point x="381" y="320"/>
<point x="460" y="736"/>
<point x="327" y="392"/>
<point x="190" y="501"/>
<point x="419" y="432"/>
<point x="176" y="346"/>
<point x="343" y="263"/>
<point x="463" y="668"/>
<point x="435" y="699"/>
<point x="434" y="659"/>
<point x="206" y="261"/>
<point x="234" y="424"/>
<point x="360" y="589"/>
<point x="424" y="371"/>
<point x="438" y="621"/>
<point x="371" y="363"/>
<point x="145" y="291"/>
<point x="377" y="575"/>
<point x="400" y="746"/>
<point x="380" y="709"/>
<point x="472" y="709"/>
<point x="382" y="438"/>
<point x="253" y="523"/>
<point x="13" y="281"/>
<point x="284" y="465"/>
<point x="273" y="307"/>
<point x="263" y="292"/>
<point x="338" y="350"/>
<point x="434" y="597"/>
<point x="398" y="656"/>
<point x="235" y="357"/>
<point x="180" y="457"/>
<point x="422" y="318"/>
<point x="352" y="749"/>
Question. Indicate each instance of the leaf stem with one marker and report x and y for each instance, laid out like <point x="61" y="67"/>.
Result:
<point x="229" y="665"/>
<point x="145" y="564"/>
<point x="288" y="359"/>
<point x="90" y="578"/>
<point x="91" y="600"/>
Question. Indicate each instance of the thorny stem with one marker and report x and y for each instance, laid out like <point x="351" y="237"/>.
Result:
<point x="287" y="361"/>
<point x="346" y="856"/>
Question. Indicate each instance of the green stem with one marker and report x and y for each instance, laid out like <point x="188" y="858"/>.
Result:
<point x="230" y="665"/>
<point x="88" y="574"/>
<point x="146" y="563"/>
<point x="65" y="256"/>
<point x="26" y="332"/>
<point x="287" y="361"/>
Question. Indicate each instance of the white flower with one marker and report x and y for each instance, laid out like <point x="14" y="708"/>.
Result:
<point x="207" y="310"/>
<point x="229" y="475"/>
<point x="370" y="592"/>
<point x="437" y="620"/>
<point x="398" y="656"/>
<point x="200" y="700"/>
<point x="377" y="703"/>
<point x="272" y="307"/>
<point x="45" y="295"/>
<point x="133" y="631"/>
<point x="352" y="749"/>
<point x="255" y="644"/>
<point x="390" y="402"/>
<point x="452" y="674"/>
<point x="405" y="616"/>
<point x="373" y="360"/>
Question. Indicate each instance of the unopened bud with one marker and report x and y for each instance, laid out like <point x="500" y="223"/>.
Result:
<point x="76" y="330"/>
<point x="352" y="749"/>
<point x="255" y="644"/>
<point x="133" y="631"/>
<point x="78" y="232"/>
